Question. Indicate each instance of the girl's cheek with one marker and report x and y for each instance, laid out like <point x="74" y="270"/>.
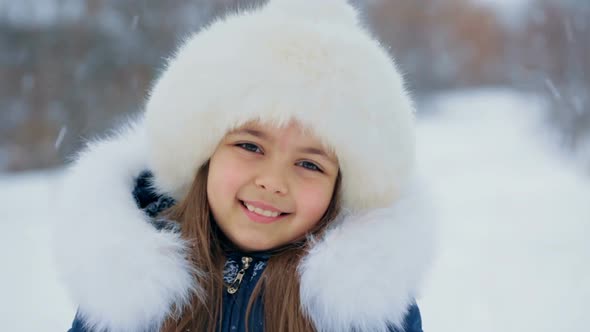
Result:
<point x="315" y="199"/>
<point x="224" y="172"/>
<point x="230" y="174"/>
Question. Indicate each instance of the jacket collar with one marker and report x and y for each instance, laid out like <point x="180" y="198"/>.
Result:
<point x="126" y="276"/>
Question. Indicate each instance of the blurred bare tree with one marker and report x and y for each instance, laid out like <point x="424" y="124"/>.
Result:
<point x="77" y="67"/>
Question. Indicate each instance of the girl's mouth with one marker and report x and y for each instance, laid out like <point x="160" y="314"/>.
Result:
<point x="259" y="215"/>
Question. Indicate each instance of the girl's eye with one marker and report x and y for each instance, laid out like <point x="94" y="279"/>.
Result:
<point x="250" y="147"/>
<point x="309" y="165"/>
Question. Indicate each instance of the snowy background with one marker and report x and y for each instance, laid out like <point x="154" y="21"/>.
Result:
<point x="504" y="138"/>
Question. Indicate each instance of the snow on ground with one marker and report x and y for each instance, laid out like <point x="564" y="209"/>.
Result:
<point x="514" y="217"/>
<point x="32" y="298"/>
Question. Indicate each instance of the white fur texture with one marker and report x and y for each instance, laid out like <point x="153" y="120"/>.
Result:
<point x="123" y="274"/>
<point x="302" y="59"/>
<point x="126" y="276"/>
<point x="367" y="270"/>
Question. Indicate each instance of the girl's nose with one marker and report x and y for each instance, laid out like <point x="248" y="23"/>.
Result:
<point x="273" y="181"/>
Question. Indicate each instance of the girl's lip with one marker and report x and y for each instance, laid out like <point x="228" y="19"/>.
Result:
<point x="262" y="206"/>
<point x="259" y="218"/>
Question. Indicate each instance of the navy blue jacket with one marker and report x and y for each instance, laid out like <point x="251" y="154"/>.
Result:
<point x="234" y="305"/>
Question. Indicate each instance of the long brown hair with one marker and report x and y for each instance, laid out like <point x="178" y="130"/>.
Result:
<point x="281" y="313"/>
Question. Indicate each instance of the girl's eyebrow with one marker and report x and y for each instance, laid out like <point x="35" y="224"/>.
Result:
<point x="249" y="131"/>
<point x="264" y="136"/>
<point x="316" y="151"/>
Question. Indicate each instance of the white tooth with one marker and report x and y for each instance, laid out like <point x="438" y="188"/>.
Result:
<point x="271" y="214"/>
<point x="261" y="211"/>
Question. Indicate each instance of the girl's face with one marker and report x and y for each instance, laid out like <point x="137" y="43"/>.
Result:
<point x="268" y="186"/>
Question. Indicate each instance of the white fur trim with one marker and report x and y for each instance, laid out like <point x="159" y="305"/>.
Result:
<point x="367" y="270"/>
<point x="291" y="59"/>
<point x="123" y="274"/>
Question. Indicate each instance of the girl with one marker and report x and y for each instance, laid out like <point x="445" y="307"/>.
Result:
<point x="267" y="187"/>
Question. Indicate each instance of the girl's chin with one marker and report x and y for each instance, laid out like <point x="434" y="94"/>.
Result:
<point x="251" y="246"/>
<point x="251" y="242"/>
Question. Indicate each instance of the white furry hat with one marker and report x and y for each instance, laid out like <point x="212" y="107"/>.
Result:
<point x="292" y="59"/>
